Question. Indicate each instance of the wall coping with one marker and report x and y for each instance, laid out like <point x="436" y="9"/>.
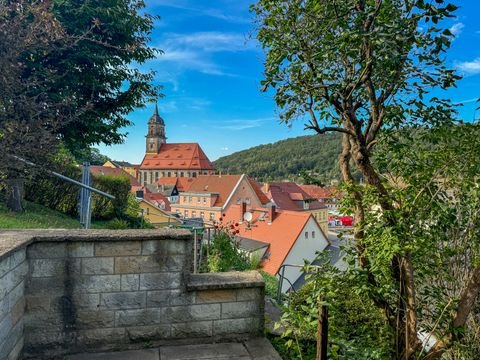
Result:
<point x="226" y="280"/>
<point x="12" y="240"/>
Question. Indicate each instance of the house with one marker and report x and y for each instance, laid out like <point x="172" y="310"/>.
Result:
<point x="281" y="237"/>
<point x="163" y="159"/>
<point x="171" y="187"/>
<point x="124" y="165"/>
<point x="98" y="170"/>
<point x="210" y="196"/>
<point x="290" y="196"/>
<point x="329" y="196"/>
<point x="155" y="207"/>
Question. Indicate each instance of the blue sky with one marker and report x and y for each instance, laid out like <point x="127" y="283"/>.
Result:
<point x="211" y="70"/>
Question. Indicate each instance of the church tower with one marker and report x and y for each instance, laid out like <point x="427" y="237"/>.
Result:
<point x="156" y="133"/>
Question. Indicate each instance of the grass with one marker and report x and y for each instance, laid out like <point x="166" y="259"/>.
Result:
<point x="40" y="217"/>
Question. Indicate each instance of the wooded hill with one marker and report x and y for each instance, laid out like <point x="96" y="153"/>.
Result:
<point x="285" y="159"/>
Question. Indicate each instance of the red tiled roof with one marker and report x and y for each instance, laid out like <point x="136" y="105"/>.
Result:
<point x="182" y="183"/>
<point x="318" y="192"/>
<point x="157" y="199"/>
<point x="97" y="170"/>
<point x="281" y="234"/>
<point x="286" y="196"/>
<point x="178" y="156"/>
<point x="221" y="184"/>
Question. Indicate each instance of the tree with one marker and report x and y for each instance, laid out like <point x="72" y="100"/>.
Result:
<point x="358" y="67"/>
<point x="67" y="77"/>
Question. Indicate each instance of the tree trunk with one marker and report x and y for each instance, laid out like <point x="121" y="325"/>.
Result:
<point x="15" y="195"/>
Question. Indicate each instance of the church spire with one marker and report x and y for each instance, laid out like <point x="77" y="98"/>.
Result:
<point x="156" y="118"/>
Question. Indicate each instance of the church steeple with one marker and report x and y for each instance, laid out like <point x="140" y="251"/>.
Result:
<point x="156" y="132"/>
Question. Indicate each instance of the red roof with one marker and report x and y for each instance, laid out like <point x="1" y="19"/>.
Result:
<point x="97" y="170"/>
<point x="318" y="192"/>
<point x="182" y="183"/>
<point x="290" y="196"/>
<point x="157" y="199"/>
<point x="280" y="234"/>
<point x="224" y="186"/>
<point x="178" y="156"/>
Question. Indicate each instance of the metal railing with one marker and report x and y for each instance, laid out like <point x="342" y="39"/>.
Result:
<point x="282" y="277"/>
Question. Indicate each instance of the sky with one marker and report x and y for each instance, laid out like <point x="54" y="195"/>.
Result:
<point x="211" y="68"/>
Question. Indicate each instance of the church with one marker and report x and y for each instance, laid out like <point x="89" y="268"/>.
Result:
<point x="170" y="160"/>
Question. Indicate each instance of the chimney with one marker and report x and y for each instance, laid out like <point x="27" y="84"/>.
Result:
<point x="266" y="187"/>
<point x="243" y="210"/>
<point x="271" y="214"/>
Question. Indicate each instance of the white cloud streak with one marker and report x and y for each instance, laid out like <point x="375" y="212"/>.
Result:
<point x="456" y="29"/>
<point x="470" y="67"/>
<point x="244" y="124"/>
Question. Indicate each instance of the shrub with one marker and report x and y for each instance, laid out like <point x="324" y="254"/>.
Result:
<point x="225" y="255"/>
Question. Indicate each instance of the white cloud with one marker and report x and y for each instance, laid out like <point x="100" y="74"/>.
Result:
<point x="456" y="29"/>
<point x="195" y="51"/>
<point x="466" y="101"/>
<point x="167" y="106"/>
<point x="470" y="67"/>
<point x="243" y="124"/>
<point x="199" y="104"/>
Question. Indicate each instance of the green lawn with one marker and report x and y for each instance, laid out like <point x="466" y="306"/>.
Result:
<point x="39" y="217"/>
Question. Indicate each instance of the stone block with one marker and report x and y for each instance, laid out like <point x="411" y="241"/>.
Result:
<point x="47" y="267"/>
<point x="183" y="298"/>
<point x="17" y="311"/>
<point x="46" y="285"/>
<point x="160" y="281"/>
<point x="136" y="264"/>
<point x="130" y="282"/>
<point x="118" y="248"/>
<point x="17" y="257"/>
<point x="100" y="338"/>
<point x="137" y="317"/>
<point x="80" y="249"/>
<point x="17" y="350"/>
<point x="147" y="333"/>
<point x="46" y="304"/>
<point x="17" y="293"/>
<point x="97" y="283"/>
<point x="91" y="319"/>
<point x="169" y="247"/>
<point x="240" y="309"/>
<point x="123" y="300"/>
<point x="192" y="329"/>
<point x="46" y="250"/>
<point x="4" y="307"/>
<point x="250" y="294"/>
<point x="4" y="265"/>
<point x="97" y="266"/>
<point x="4" y="285"/>
<point x="215" y="296"/>
<point x="86" y="301"/>
<point x="5" y="328"/>
<point x="17" y="275"/>
<point x="238" y="326"/>
<point x="177" y="314"/>
<point x="161" y="297"/>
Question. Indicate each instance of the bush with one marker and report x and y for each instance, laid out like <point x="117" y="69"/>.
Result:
<point x="224" y="254"/>
<point x="117" y="224"/>
<point x="271" y="284"/>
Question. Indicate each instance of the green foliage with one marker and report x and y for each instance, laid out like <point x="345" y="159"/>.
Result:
<point x="118" y="186"/>
<point x="111" y="35"/>
<point x="225" y="255"/>
<point x="117" y="224"/>
<point x="286" y="159"/>
<point x="357" y="329"/>
<point x="271" y="284"/>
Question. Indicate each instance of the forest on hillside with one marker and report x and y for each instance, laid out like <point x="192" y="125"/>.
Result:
<point x="314" y="154"/>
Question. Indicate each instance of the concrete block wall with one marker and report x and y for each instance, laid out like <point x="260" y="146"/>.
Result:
<point x="13" y="270"/>
<point x="95" y="291"/>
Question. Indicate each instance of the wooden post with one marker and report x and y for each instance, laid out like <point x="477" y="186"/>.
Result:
<point x="322" y="332"/>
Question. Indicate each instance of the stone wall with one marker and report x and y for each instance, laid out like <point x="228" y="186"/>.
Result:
<point x="13" y="269"/>
<point x="102" y="291"/>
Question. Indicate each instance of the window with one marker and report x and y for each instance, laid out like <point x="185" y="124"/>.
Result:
<point x="156" y="176"/>
<point x="184" y="199"/>
<point x="181" y="174"/>
<point x="239" y="200"/>
<point x="194" y="174"/>
<point x="169" y="174"/>
<point x="148" y="212"/>
<point x="306" y="234"/>
<point x="247" y="200"/>
<point x="204" y="200"/>
<point x="202" y="215"/>
<point x="190" y="199"/>
<point x="198" y="199"/>
<point x="185" y="213"/>
<point x="194" y="213"/>
<point x="313" y="234"/>
<point x="151" y="177"/>
<point x="212" y="216"/>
